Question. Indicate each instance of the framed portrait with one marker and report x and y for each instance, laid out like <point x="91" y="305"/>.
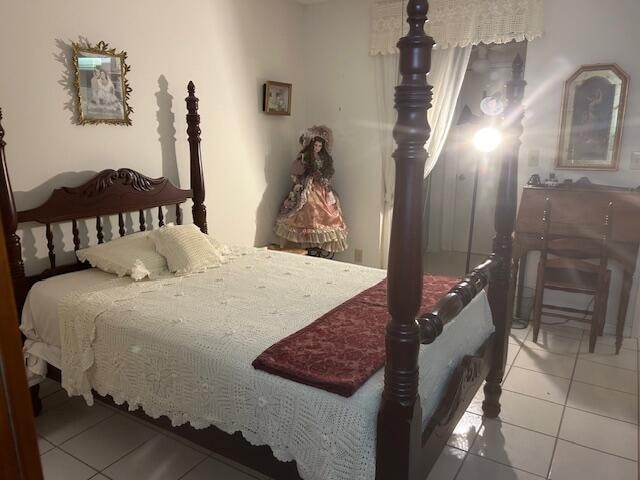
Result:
<point x="592" y="117"/>
<point x="102" y="89"/>
<point x="277" y="98"/>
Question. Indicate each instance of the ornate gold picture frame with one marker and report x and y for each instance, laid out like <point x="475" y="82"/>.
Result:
<point x="277" y="98"/>
<point x="592" y="117"/>
<point x="102" y="89"/>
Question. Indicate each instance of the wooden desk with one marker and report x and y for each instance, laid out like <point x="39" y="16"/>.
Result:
<point x="579" y="211"/>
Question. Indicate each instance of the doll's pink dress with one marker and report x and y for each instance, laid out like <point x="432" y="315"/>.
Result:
<point x="310" y="214"/>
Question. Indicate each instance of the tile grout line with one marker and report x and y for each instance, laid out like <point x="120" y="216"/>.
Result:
<point x="194" y="467"/>
<point x="564" y="409"/>
<point x="459" y="469"/>
<point x="505" y="465"/>
<point x="598" y="450"/>
<point x="467" y="452"/>
<point x="586" y="359"/>
<point x="551" y="435"/>
<point x="605" y="388"/>
<point x="615" y="355"/>
<point x="577" y="381"/>
<point x="75" y="458"/>
<point x="164" y="433"/>
<point x="576" y="408"/>
<point x="508" y="370"/>
<point x="225" y="461"/>
<point x="183" y="441"/>
<point x="555" y="437"/>
<point x="79" y="433"/>
<point x="128" y="453"/>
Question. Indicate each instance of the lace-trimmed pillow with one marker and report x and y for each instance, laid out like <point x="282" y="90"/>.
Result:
<point x="133" y="255"/>
<point x="187" y="249"/>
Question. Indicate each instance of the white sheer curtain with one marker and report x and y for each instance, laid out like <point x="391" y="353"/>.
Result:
<point x="456" y="25"/>
<point x="448" y="68"/>
<point x="386" y="80"/>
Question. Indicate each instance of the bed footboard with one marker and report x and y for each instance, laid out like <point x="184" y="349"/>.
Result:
<point x="463" y="386"/>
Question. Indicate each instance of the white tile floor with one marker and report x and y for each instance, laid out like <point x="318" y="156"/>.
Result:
<point x="566" y="415"/>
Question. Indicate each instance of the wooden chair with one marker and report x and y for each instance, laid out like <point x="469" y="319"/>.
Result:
<point x="564" y="265"/>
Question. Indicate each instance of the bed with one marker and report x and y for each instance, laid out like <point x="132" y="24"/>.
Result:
<point x="393" y="427"/>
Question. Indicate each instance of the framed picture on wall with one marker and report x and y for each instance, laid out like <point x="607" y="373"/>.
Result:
<point x="277" y="98"/>
<point x="592" y="117"/>
<point x="102" y="89"/>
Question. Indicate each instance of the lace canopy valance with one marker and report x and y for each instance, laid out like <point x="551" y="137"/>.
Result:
<point x="458" y="22"/>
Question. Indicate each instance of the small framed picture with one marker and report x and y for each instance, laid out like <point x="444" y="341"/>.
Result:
<point x="277" y="98"/>
<point x="102" y="89"/>
<point x="592" y="116"/>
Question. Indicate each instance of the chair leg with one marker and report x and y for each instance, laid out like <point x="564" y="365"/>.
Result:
<point x="622" y="309"/>
<point x="601" y="313"/>
<point x="597" y="321"/>
<point x="604" y="303"/>
<point x="537" y="305"/>
<point x="601" y="324"/>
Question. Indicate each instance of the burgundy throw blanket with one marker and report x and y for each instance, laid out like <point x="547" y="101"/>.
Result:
<point x="343" y="348"/>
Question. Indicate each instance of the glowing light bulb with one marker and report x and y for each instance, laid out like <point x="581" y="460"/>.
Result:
<point x="487" y="139"/>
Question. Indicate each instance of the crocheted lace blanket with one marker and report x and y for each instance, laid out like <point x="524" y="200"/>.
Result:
<point x="183" y="346"/>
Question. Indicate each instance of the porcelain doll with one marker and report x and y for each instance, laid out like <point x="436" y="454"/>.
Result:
<point x="310" y="215"/>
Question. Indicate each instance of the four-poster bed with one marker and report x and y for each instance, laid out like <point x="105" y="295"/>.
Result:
<point x="407" y="446"/>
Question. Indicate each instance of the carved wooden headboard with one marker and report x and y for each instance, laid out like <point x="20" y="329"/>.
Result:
<point x="109" y="193"/>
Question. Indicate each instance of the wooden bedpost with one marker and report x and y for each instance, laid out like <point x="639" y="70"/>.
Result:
<point x="10" y="227"/>
<point x="506" y="206"/>
<point x="197" y="178"/>
<point x="400" y="416"/>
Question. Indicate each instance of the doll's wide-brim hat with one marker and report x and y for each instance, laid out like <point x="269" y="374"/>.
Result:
<point x="321" y="131"/>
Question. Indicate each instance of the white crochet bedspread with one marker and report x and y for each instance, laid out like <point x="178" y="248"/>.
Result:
<point x="183" y="346"/>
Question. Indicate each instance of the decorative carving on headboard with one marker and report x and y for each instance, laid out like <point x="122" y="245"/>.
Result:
<point x="110" y="192"/>
<point x="125" y="176"/>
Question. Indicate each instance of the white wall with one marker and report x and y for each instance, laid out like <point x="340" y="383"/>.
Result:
<point x="227" y="47"/>
<point x="579" y="32"/>
<point x="340" y="80"/>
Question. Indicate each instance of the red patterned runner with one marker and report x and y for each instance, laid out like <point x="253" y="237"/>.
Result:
<point x="343" y="348"/>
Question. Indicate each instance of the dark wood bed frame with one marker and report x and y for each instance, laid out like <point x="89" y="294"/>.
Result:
<point x="404" y="450"/>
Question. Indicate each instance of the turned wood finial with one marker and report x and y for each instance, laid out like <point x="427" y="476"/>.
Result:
<point x="199" y="209"/>
<point x="507" y="200"/>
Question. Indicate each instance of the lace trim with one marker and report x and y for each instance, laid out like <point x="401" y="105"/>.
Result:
<point x="281" y="453"/>
<point x="458" y="22"/>
<point x="331" y="240"/>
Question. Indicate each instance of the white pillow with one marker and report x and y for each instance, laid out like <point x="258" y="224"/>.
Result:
<point x="187" y="249"/>
<point x="134" y="255"/>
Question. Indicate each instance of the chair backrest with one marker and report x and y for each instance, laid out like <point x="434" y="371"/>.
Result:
<point x="607" y="228"/>
<point x="576" y="247"/>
